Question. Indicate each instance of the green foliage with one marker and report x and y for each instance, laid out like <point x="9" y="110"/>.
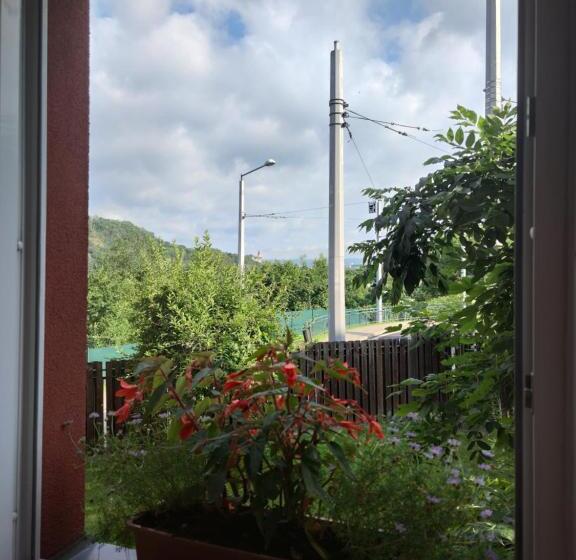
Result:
<point x="186" y="306"/>
<point x="272" y="439"/>
<point x="134" y="473"/>
<point x="407" y="502"/>
<point x="463" y="212"/>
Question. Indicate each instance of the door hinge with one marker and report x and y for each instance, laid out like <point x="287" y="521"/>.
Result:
<point x="530" y="117"/>
<point x="529" y="390"/>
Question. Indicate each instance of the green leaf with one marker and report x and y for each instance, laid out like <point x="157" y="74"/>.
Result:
<point x="459" y="136"/>
<point x="340" y="457"/>
<point x="312" y="482"/>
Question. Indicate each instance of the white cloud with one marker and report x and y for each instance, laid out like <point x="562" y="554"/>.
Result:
<point x="187" y="94"/>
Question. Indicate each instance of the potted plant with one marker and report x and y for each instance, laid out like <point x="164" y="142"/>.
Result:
<point x="271" y="442"/>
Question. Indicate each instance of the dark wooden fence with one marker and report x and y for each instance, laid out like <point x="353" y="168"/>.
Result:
<point x="102" y="384"/>
<point x="382" y="364"/>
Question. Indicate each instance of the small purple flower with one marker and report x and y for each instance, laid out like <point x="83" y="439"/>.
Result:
<point x="111" y="413"/>
<point x="433" y="499"/>
<point x="489" y="554"/>
<point x="453" y="442"/>
<point x="508" y="519"/>
<point x="487" y="454"/>
<point x="393" y="429"/>
<point x="164" y="415"/>
<point x="415" y="446"/>
<point x="437" y="450"/>
<point x="400" y="527"/>
<point x="455" y="472"/>
<point x="490" y="536"/>
<point x="134" y="422"/>
<point x="137" y="453"/>
<point x="485" y="467"/>
<point x="479" y="480"/>
<point x="410" y="434"/>
<point x="453" y="481"/>
<point x="413" y="416"/>
<point x="394" y="440"/>
<point x="93" y="415"/>
<point x="486" y="513"/>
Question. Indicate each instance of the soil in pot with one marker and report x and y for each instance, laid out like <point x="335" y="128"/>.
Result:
<point x="240" y="531"/>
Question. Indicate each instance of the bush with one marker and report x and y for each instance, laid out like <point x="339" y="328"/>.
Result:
<point x="128" y="475"/>
<point x="406" y="502"/>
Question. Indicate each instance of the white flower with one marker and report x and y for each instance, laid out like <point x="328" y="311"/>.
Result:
<point x="487" y="453"/>
<point x="93" y="415"/>
<point x="453" y="442"/>
<point x="413" y="416"/>
<point x="400" y="527"/>
<point x="479" y="480"/>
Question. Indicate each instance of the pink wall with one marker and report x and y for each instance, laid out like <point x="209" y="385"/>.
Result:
<point x="66" y="274"/>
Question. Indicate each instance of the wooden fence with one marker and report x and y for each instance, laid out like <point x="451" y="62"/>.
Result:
<point x="382" y="364"/>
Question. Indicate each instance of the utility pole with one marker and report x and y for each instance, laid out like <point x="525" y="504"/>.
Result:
<point x="242" y="214"/>
<point x="336" y="272"/>
<point x="378" y="271"/>
<point x="241" y="220"/>
<point x="493" y="56"/>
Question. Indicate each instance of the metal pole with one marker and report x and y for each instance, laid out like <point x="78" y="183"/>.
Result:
<point x="241" y="218"/>
<point x="378" y="272"/>
<point x="493" y="56"/>
<point x="336" y="272"/>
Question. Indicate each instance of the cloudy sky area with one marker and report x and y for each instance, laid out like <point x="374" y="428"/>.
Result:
<point x="187" y="94"/>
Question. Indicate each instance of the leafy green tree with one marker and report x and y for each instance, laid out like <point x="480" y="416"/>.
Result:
<point x="201" y="304"/>
<point x="463" y="212"/>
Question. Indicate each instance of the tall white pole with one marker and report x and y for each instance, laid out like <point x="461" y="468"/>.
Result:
<point x="336" y="272"/>
<point x="241" y="218"/>
<point x="378" y="273"/>
<point x="493" y="56"/>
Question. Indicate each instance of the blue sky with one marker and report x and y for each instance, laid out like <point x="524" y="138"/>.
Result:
<point x="186" y="95"/>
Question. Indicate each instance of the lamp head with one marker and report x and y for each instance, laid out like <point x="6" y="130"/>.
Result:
<point x="269" y="162"/>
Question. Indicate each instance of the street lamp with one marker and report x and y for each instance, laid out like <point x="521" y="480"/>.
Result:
<point x="242" y="214"/>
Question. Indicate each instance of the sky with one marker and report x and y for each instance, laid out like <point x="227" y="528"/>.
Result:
<point x="188" y="94"/>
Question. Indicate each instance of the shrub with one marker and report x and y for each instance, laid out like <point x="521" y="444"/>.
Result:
<point x="128" y="475"/>
<point x="407" y="502"/>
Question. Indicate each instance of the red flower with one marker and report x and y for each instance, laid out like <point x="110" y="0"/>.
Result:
<point x="229" y="385"/>
<point x="351" y="427"/>
<point x="280" y="401"/>
<point x="237" y="404"/>
<point x="129" y="391"/>
<point x="290" y="373"/>
<point x="354" y="376"/>
<point x="343" y="369"/>
<point x="124" y="411"/>
<point x="375" y="428"/>
<point x="188" y="427"/>
<point x="234" y="375"/>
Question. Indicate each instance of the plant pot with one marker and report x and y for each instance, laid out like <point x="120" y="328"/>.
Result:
<point x="155" y="544"/>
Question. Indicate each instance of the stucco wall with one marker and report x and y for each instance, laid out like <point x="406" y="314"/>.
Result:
<point x="66" y="274"/>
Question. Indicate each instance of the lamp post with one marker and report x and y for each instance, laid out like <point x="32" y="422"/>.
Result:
<point x="242" y="214"/>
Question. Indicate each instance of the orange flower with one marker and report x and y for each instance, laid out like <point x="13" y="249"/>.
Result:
<point x="237" y="404"/>
<point x="124" y="411"/>
<point x="375" y="428"/>
<point x="290" y="373"/>
<point x="351" y="427"/>
<point x="188" y="426"/>
<point x="229" y="385"/>
<point x="129" y="391"/>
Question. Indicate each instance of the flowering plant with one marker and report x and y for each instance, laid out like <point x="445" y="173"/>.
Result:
<point x="272" y="439"/>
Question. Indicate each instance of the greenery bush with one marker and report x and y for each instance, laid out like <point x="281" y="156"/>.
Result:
<point x="128" y="475"/>
<point x="409" y="502"/>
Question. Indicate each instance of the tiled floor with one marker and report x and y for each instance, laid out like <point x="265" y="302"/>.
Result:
<point x="103" y="552"/>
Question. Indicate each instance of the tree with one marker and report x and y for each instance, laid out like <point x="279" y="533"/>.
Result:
<point x="201" y="304"/>
<point x="463" y="212"/>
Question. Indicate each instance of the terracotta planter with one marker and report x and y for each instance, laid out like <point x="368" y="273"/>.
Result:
<point x="154" y="544"/>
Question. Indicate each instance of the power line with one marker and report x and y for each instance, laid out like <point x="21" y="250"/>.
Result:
<point x="391" y="129"/>
<point x="360" y="156"/>
<point x="272" y="214"/>
<point x="392" y="123"/>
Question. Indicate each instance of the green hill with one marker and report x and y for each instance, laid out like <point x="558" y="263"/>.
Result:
<point x="105" y="233"/>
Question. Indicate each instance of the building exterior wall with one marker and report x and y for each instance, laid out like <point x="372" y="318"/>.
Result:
<point x="66" y="274"/>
